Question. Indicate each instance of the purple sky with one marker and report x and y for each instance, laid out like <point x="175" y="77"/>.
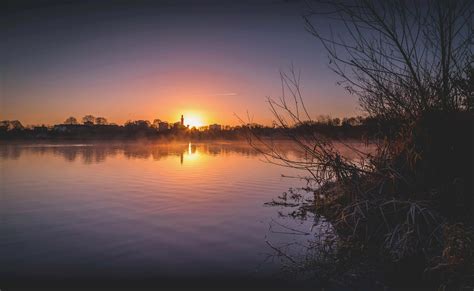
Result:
<point x="158" y="59"/>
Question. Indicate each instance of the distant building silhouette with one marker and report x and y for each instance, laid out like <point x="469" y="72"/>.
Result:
<point x="179" y="124"/>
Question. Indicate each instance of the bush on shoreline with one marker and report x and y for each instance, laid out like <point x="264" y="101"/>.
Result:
<point x="407" y="210"/>
<point x="409" y="214"/>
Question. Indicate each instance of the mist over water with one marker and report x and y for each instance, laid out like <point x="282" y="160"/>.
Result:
<point x="81" y="210"/>
<point x="139" y="211"/>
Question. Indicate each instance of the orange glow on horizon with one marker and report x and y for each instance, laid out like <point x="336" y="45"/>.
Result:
<point x="194" y="118"/>
<point x="193" y="121"/>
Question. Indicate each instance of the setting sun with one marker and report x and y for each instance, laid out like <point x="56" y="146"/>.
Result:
<point x="193" y="120"/>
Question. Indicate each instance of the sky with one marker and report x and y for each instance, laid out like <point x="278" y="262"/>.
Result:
<point x="126" y="60"/>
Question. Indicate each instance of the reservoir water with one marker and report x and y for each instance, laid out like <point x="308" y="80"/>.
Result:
<point x="140" y="211"/>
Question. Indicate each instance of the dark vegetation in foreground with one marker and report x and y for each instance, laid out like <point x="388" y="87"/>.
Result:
<point x="403" y="219"/>
<point x="98" y="128"/>
<point x="404" y="215"/>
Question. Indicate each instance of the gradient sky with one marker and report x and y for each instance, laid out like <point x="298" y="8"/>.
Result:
<point x="158" y="59"/>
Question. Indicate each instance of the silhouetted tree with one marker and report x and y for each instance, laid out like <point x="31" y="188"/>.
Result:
<point x="401" y="58"/>
<point x="137" y="125"/>
<point x="9" y="125"/>
<point x="350" y="121"/>
<point x="156" y="123"/>
<point x="4" y="125"/>
<point x="70" y="120"/>
<point x="100" y="121"/>
<point x="88" y="120"/>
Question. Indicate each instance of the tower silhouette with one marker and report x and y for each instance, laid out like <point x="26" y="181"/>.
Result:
<point x="182" y="120"/>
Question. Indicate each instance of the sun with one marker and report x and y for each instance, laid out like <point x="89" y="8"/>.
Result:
<point x="193" y="121"/>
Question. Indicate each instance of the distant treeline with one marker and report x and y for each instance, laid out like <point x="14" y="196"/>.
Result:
<point x="99" y="128"/>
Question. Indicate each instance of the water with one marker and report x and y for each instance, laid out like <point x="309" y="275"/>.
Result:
<point x="135" y="211"/>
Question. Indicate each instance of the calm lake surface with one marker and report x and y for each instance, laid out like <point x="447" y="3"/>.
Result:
<point x="183" y="210"/>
